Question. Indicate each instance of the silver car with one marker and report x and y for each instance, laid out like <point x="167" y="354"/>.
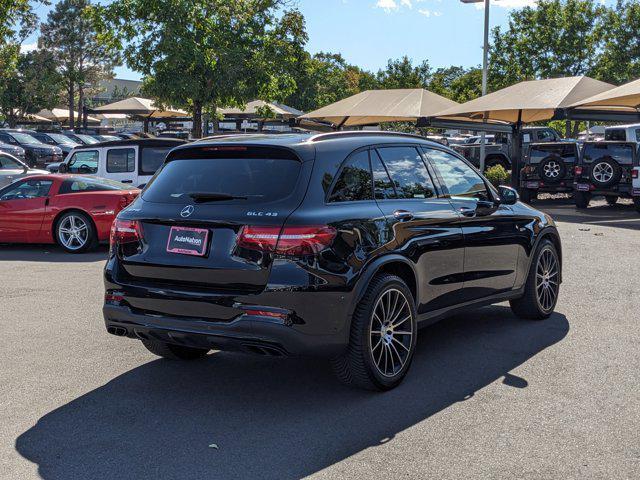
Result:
<point x="12" y="169"/>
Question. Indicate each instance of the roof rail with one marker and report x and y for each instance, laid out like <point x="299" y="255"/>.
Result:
<point x="359" y="133"/>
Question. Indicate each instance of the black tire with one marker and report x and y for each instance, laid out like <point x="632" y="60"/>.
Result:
<point x="636" y="203"/>
<point x="528" y="194"/>
<point x="582" y="199"/>
<point x="605" y="172"/>
<point x="530" y="306"/>
<point x="552" y="170"/>
<point x="174" y="352"/>
<point x="611" y="199"/>
<point x="357" y="367"/>
<point x="91" y="239"/>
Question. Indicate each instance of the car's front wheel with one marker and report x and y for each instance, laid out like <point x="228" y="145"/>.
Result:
<point x="582" y="199"/>
<point x="611" y="199"/>
<point x="543" y="284"/>
<point x="174" y="352"/>
<point x="383" y="336"/>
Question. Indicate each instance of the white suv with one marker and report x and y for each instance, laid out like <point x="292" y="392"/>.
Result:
<point x="127" y="161"/>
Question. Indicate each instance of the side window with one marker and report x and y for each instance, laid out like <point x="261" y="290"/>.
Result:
<point x="382" y="184"/>
<point x="408" y="172"/>
<point x="27" y="190"/>
<point x="4" y="138"/>
<point x="459" y="178"/>
<point x="8" y="163"/>
<point x="121" y="160"/>
<point x="354" y="180"/>
<point x="637" y="134"/>
<point x="84" y="161"/>
<point x="151" y="158"/>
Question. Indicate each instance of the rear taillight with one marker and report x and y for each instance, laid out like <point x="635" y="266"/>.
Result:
<point x="578" y="170"/>
<point x="291" y="241"/>
<point x="634" y="173"/>
<point x="125" y="232"/>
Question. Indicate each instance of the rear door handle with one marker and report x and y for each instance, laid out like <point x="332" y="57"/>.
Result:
<point x="403" y="215"/>
<point x="127" y="181"/>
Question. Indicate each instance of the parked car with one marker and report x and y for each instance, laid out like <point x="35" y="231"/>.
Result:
<point x="548" y="167"/>
<point x="106" y="138"/>
<point x="127" y="161"/>
<point x="72" y="210"/>
<point x="607" y="168"/>
<point x="81" y="138"/>
<point x="12" y="169"/>
<point x="37" y="154"/>
<point x="623" y="133"/>
<point x="13" y="150"/>
<point x="127" y="135"/>
<point x="499" y="152"/>
<point x="51" y="138"/>
<point x="338" y="245"/>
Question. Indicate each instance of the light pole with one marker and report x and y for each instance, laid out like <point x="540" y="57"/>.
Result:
<point x="485" y="67"/>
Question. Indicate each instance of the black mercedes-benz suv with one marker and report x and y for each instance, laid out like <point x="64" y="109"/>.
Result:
<point x="338" y="245"/>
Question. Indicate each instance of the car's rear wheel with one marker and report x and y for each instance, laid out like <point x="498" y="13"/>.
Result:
<point x="543" y="285"/>
<point x="552" y="169"/>
<point x="611" y="199"/>
<point x="173" y="352"/>
<point x="582" y="199"/>
<point x="75" y="232"/>
<point x="383" y="337"/>
<point x="636" y="203"/>
<point x="605" y="172"/>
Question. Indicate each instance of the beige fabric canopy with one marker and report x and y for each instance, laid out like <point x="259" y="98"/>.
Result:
<point x="34" y="117"/>
<point x="140" y="106"/>
<point x="376" y="106"/>
<point x="62" y="115"/>
<point x="251" y="110"/>
<point x="538" y="100"/>
<point x="623" y="98"/>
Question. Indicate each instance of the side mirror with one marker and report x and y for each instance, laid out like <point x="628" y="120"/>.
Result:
<point x="62" y="168"/>
<point x="508" y="195"/>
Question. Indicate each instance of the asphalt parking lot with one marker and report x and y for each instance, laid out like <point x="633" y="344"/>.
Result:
<point x="488" y="396"/>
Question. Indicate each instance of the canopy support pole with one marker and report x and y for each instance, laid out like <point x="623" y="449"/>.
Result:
<point x="516" y="151"/>
<point x="341" y="124"/>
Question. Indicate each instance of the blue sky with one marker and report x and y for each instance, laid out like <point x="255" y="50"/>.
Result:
<point x="369" y="32"/>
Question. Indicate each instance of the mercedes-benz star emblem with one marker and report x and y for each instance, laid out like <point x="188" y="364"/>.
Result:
<point x="187" y="211"/>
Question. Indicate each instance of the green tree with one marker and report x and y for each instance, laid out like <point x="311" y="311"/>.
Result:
<point x="457" y="83"/>
<point x="620" y="58"/>
<point x="34" y="84"/>
<point x="203" y="55"/>
<point x="556" y="38"/>
<point x="402" y="73"/>
<point x="82" y="57"/>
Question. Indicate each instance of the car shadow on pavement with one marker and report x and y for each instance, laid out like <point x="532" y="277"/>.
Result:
<point x="620" y="215"/>
<point x="49" y="253"/>
<point x="237" y="416"/>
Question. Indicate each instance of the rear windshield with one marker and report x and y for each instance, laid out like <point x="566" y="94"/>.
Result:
<point x="261" y="180"/>
<point x="618" y="151"/>
<point x="615" y="134"/>
<point x="567" y="151"/>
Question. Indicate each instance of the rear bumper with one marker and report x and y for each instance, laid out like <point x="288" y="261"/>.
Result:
<point x="621" y="189"/>
<point x="292" y="319"/>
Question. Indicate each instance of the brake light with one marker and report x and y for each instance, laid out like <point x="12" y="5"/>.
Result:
<point x="291" y="241"/>
<point x="634" y="173"/>
<point x="578" y="170"/>
<point x="125" y="231"/>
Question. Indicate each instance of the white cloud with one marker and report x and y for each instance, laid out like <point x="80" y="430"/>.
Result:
<point x="28" y="47"/>
<point x="429" y="13"/>
<point x="390" y="6"/>
<point x="509" y="3"/>
<point x="387" y="5"/>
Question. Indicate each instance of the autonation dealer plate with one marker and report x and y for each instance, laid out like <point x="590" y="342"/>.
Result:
<point x="188" y="241"/>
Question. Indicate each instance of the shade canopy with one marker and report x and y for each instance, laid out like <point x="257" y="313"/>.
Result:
<point x="35" y="118"/>
<point x="537" y="99"/>
<point x="623" y="98"/>
<point x="61" y="115"/>
<point x="252" y="110"/>
<point x="143" y="107"/>
<point x="377" y="106"/>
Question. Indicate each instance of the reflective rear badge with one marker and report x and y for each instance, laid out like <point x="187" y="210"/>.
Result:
<point x="262" y="214"/>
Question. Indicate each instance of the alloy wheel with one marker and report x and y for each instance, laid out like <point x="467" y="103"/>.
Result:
<point x="547" y="274"/>
<point x="391" y="332"/>
<point x="602" y="172"/>
<point x="73" y="232"/>
<point x="552" y="169"/>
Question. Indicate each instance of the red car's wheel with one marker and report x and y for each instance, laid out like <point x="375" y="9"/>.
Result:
<point x="75" y="232"/>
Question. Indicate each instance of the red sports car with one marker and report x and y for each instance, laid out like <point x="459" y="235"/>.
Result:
<point x="72" y="210"/>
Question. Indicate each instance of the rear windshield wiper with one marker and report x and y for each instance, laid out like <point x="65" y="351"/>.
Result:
<point x="202" y="197"/>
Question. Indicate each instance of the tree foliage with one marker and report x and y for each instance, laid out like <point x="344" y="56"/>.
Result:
<point x="402" y="73"/>
<point x="619" y="61"/>
<point x="203" y="55"/>
<point x="32" y="85"/>
<point x="82" y="57"/>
